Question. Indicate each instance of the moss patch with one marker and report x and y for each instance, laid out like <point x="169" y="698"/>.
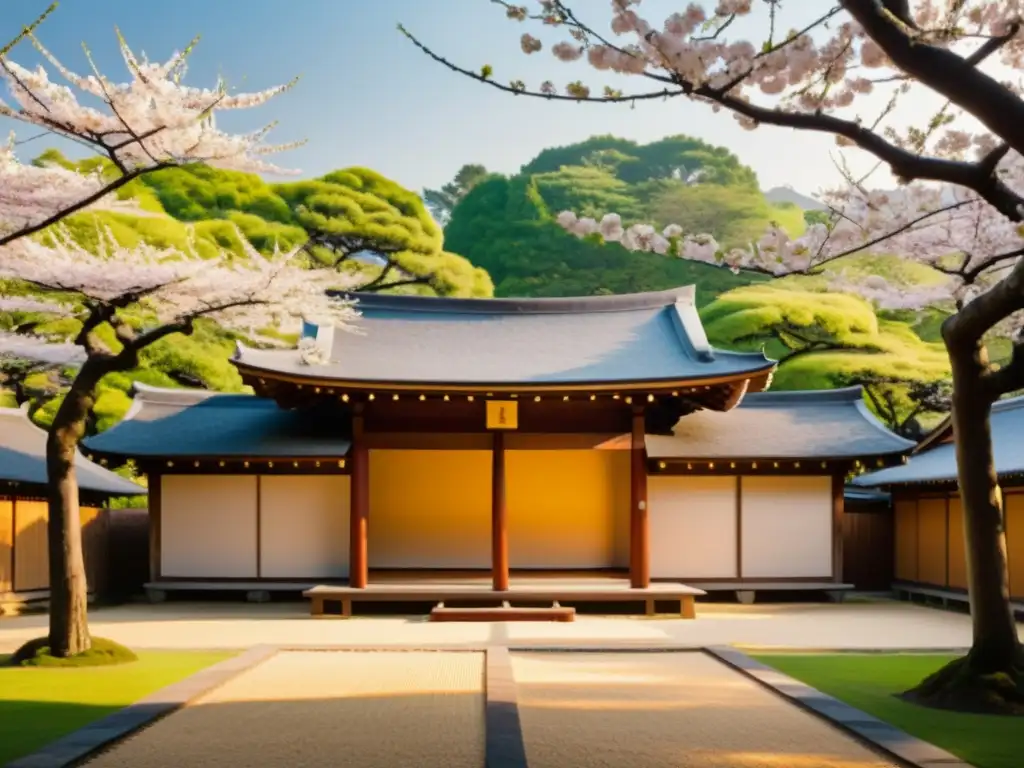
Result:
<point x="36" y="653"/>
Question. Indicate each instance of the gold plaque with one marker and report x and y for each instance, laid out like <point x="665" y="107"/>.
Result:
<point x="502" y="414"/>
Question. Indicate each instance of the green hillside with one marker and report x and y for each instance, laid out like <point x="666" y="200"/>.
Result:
<point x="212" y="210"/>
<point x="501" y="239"/>
<point x="506" y="225"/>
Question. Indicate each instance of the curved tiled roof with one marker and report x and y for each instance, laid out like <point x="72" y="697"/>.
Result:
<point x="937" y="464"/>
<point x="635" y="338"/>
<point x="23" y="459"/>
<point x="199" y="423"/>
<point x="825" y="424"/>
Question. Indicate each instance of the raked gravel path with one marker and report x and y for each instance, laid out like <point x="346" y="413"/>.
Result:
<point x="666" y="710"/>
<point x="311" y="709"/>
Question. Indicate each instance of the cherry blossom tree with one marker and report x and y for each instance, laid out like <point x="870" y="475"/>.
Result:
<point x="152" y="121"/>
<point x="125" y="300"/>
<point x="962" y="60"/>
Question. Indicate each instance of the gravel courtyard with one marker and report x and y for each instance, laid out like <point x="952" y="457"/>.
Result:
<point x="384" y="709"/>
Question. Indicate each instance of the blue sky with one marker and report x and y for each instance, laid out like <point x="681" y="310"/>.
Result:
<point x="368" y="97"/>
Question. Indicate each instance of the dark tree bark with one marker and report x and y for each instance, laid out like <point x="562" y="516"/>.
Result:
<point x="69" y="627"/>
<point x="995" y="647"/>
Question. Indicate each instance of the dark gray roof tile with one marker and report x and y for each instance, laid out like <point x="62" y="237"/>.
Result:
<point x="197" y="423"/>
<point x="821" y="424"/>
<point x="938" y="464"/>
<point x="646" y="337"/>
<point x="23" y="460"/>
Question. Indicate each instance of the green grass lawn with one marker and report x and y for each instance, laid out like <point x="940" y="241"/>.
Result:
<point x="39" y="705"/>
<point x="868" y="682"/>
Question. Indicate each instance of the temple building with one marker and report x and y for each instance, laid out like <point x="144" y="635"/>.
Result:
<point x="495" y="439"/>
<point x="24" y="512"/>
<point x="930" y="549"/>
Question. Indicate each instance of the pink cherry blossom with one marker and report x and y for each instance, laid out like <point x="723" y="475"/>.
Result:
<point x="172" y="286"/>
<point x="152" y="118"/>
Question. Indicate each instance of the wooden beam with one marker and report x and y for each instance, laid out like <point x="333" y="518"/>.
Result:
<point x="838" y="510"/>
<point x="359" y="505"/>
<point x="499" y="515"/>
<point x="739" y="526"/>
<point x="155" y="502"/>
<point x="639" y="519"/>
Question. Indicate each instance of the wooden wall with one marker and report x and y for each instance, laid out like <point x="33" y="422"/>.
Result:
<point x="930" y="547"/>
<point x="24" y="556"/>
<point x="868" y="542"/>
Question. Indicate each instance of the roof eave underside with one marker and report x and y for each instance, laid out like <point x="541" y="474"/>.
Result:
<point x="762" y="369"/>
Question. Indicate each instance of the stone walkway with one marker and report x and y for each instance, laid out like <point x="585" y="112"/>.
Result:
<point x="312" y="709"/>
<point x="666" y="710"/>
<point x="226" y="625"/>
<point x="578" y="710"/>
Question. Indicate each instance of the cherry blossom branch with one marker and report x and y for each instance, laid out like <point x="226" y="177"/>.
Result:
<point x="78" y="205"/>
<point x="955" y="77"/>
<point x="905" y="165"/>
<point x="609" y="98"/>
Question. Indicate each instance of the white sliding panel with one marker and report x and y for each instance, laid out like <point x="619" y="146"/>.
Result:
<point x="787" y="527"/>
<point x="693" y="526"/>
<point x="208" y="526"/>
<point x="304" y="526"/>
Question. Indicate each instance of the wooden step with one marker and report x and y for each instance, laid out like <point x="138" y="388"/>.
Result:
<point x="505" y="613"/>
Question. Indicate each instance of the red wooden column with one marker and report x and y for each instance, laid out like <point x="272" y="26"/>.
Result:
<point x="359" y="505"/>
<point x="499" y="515"/>
<point x="639" y="522"/>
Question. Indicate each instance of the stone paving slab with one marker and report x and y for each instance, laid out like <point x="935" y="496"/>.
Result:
<point x="667" y="710"/>
<point x="911" y="750"/>
<point x="372" y="709"/>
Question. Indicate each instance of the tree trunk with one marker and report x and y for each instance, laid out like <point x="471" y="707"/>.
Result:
<point x="996" y="646"/>
<point x="69" y="627"/>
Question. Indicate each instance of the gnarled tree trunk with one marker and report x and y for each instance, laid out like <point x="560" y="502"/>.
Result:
<point x="69" y="627"/>
<point x="995" y="645"/>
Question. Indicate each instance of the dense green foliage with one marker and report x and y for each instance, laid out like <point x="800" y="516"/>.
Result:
<point x="505" y="230"/>
<point x="211" y="211"/>
<point x="506" y="225"/>
<point x="441" y="202"/>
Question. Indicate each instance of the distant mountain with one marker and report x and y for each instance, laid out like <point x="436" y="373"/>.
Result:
<point x="780" y="195"/>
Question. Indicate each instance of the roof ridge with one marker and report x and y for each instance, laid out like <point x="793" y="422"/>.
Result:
<point x="527" y="305"/>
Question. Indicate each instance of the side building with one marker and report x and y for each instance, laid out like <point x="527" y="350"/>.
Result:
<point x="24" y="512"/>
<point x="930" y="551"/>
<point x="501" y="437"/>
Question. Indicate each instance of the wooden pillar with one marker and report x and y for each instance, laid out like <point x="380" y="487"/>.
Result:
<point x="359" y="505"/>
<point x="838" y="510"/>
<point x="639" y="520"/>
<point x="499" y="516"/>
<point x="155" y="496"/>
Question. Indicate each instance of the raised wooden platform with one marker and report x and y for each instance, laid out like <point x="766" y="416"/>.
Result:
<point x="945" y="595"/>
<point x="746" y="591"/>
<point x="478" y="590"/>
